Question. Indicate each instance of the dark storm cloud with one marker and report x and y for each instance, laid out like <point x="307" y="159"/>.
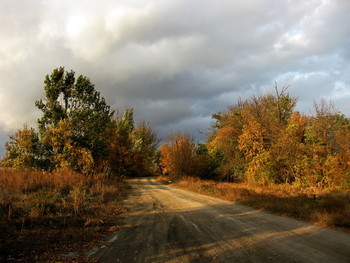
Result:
<point x="175" y="62"/>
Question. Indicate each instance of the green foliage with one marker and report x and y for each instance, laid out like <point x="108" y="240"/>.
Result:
<point x="77" y="131"/>
<point x="132" y="151"/>
<point x="145" y="149"/>
<point x="85" y="112"/>
<point x="119" y="161"/>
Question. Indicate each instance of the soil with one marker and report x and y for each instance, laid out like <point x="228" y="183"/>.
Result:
<point x="165" y="224"/>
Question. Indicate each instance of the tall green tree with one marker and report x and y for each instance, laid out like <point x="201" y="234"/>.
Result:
<point x="119" y="161"/>
<point x="76" y="102"/>
<point x="77" y="130"/>
<point x="145" y="148"/>
<point x="132" y="148"/>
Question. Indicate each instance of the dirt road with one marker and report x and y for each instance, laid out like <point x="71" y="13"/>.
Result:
<point x="166" y="224"/>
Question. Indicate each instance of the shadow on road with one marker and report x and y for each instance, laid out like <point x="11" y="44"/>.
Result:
<point x="162" y="228"/>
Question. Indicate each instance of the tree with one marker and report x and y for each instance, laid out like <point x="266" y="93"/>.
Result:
<point x="289" y="152"/>
<point x="120" y="159"/>
<point x="59" y="84"/>
<point x="81" y="107"/>
<point x="23" y="150"/>
<point x="243" y="137"/>
<point x="271" y="112"/>
<point x="132" y="151"/>
<point x="222" y="143"/>
<point x="77" y="131"/>
<point x="223" y="148"/>
<point x="251" y="143"/>
<point x="179" y="157"/>
<point x="327" y="138"/>
<point x="145" y="144"/>
<point x="65" y="153"/>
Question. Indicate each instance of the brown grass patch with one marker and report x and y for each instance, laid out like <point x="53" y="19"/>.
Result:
<point x="329" y="207"/>
<point x="45" y="214"/>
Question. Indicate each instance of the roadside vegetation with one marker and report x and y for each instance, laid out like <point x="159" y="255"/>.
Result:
<point x="61" y="184"/>
<point x="45" y="214"/>
<point x="263" y="153"/>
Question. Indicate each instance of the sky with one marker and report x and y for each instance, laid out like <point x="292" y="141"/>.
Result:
<point x="176" y="62"/>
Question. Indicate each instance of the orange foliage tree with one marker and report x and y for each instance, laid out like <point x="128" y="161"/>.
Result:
<point x="275" y="144"/>
<point x="179" y="157"/>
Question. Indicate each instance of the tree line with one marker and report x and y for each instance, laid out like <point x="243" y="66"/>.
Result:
<point x="259" y="140"/>
<point x="80" y="132"/>
<point x="265" y="140"/>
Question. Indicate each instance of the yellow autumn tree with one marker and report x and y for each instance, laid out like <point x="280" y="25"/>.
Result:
<point x="66" y="154"/>
<point x="327" y="141"/>
<point x="23" y="149"/>
<point x="289" y="153"/>
<point x="251" y="143"/>
<point x="338" y="166"/>
<point x="224" y="148"/>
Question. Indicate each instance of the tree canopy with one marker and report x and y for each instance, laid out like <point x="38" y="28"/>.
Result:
<point x="78" y="130"/>
<point x="265" y="140"/>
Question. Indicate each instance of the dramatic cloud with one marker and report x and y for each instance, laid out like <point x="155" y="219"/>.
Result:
<point x="175" y="61"/>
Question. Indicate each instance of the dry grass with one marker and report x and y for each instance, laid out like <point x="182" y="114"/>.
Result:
<point x="323" y="206"/>
<point x="42" y="214"/>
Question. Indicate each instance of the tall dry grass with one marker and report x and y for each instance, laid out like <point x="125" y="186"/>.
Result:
<point x="324" y="206"/>
<point x="45" y="193"/>
<point x="34" y="203"/>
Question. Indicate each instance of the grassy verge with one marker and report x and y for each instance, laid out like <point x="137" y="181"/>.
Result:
<point x="45" y="215"/>
<point x="325" y="207"/>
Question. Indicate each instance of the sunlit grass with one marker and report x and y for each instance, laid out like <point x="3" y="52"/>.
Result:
<point x="34" y="206"/>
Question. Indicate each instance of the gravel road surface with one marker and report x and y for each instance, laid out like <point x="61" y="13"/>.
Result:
<point x="165" y="224"/>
